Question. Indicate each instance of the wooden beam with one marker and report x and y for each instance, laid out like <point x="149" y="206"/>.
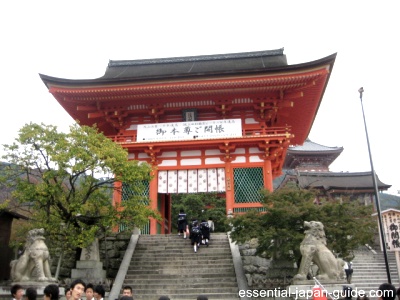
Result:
<point x="85" y="108"/>
<point x="96" y="115"/>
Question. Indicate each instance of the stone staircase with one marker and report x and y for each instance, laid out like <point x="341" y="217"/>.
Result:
<point x="167" y="265"/>
<point x="370" y="271"/>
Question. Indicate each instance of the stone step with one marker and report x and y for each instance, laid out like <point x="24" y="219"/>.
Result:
<point x="172" y="237"/>
<point x="178" y="280"/>
<point x="165" y="265"/>
<point x="182" y="285"/>
<point x="200" y="251"/>
<point x="179" y="247"/>
<point x="370" y="271"/>
<point x="190" y="290"/>
<point x="216" y="276"/>
<point x="189" y="296"/>
<point x="185" y="263"/>
<point x="182" y="246"/>
<point x="178" y="241"/>
<point x="189" y="256"/>
<point x="183" y="251"/>
<point x="144" y="240"/>
<point x="197" y="258"/>
<point x="371" y="280"/>
<point x="187" y="271"/>
<point x="368" y="262"/>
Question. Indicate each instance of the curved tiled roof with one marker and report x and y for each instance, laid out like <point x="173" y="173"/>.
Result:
<point x="174" y="66"/>
<point x="338" y="180"/>
<point x="310" y="146"/>
<point x="320" y="154"/>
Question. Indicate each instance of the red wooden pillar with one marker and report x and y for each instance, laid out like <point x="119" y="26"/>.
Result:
<point x="117" y="195"/>
<point x="153" y="200"/>
<point x="230" y="195"/>
<point x="268" y="179"/>
<point x="117" y="198"/>
<point x="170" y="217"/>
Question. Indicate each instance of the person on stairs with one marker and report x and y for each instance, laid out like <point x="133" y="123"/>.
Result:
<point x="211" y="224"/>
<point x="205" y="232"/>
<point x="348" y="268"/>
<point x="195" y="235"/>
<point x="182" y="223"/>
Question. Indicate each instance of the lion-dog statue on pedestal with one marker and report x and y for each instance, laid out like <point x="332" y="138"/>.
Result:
<point x="313" y="249"/>
<point x="33" y="264"/>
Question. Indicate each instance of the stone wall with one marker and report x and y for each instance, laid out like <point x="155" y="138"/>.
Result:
<point x="112" y="250"/>
<point x="263" y="273"/>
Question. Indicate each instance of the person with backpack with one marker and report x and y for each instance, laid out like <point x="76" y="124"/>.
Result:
<point x="195" y="235"/>
<point x="205" y="232"/>
<point x="182" y="223"/>
<point x="348" y="268"/>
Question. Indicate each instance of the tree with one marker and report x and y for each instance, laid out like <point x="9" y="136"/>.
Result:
<point x="68" y="179"/>
<point x="280" y="229"/>
<point x="200" y="206"/>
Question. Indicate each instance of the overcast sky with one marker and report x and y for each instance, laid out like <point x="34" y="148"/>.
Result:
<point x="76" y="39"/>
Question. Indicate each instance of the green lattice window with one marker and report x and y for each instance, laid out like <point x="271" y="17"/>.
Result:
<point x="128" y="191"/>
<point x="144" y="230"/>
<point x="248" y="183"/>
<point x="246" y="209"/>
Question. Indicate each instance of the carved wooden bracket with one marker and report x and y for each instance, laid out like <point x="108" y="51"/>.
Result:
<point x="155" y="110"/>
<point x="226" y="149"/>
<point x="153" y="153"/>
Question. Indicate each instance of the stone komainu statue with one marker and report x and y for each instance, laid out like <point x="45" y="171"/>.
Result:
<point x="33" y="264"/>
<point x="313" y="249"/>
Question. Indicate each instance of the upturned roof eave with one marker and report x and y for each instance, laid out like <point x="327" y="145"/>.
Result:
<point x="332" y="151"/>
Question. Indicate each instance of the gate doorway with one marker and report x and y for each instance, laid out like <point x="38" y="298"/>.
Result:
<point x="200" y="206"/>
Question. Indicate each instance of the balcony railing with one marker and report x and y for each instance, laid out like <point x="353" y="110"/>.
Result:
<point x="247" y="131"/>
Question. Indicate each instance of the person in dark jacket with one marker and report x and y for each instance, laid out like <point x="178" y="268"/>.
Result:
<point x="182" y="223"/>
<point x="205" y="232"/>
<point x="30" y="293"/>
<point x="51" y="292"/>
<point x="195" y="235"/>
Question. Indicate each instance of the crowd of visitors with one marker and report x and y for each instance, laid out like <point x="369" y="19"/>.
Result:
<point x="76" y="291"/>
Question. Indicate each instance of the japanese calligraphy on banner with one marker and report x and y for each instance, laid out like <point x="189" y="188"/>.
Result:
<point x="189" y="130"/>
<point x="391" y="226"/>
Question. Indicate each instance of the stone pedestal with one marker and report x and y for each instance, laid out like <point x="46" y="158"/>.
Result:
<point x="302" y="290"/>
<point x="89" y="268"/>
<point x="89" y="271"/>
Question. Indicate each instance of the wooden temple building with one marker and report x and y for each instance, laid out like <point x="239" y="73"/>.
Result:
<point x="308" y="166"/>
<point x="214" y="123"/>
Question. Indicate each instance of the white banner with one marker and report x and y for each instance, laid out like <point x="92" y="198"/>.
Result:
<point x="391" y="226"/>
<point x="189" y="130"/>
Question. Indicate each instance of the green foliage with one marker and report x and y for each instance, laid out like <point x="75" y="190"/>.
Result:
<point x="280" y="229"/>
<point x="200" y="206"/>
<point x="4" y="205"/>
<point x="68" y="179"/>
